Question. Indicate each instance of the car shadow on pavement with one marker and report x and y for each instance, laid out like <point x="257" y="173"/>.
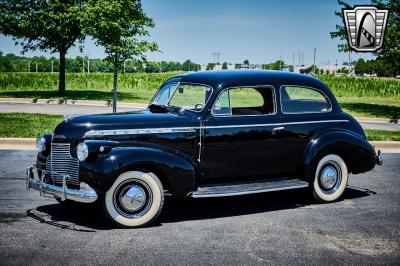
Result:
<point x="89" y="217"/>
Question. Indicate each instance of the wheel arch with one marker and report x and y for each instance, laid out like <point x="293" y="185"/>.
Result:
<point x="176" y="171"/>
<point x="356" y="152"/>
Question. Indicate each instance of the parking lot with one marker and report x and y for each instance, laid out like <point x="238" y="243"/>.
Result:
<point x="281" y="227"/>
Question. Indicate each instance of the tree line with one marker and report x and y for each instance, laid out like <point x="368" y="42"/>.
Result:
<point x="14" y="63"/>
<point x="121" y="27"/>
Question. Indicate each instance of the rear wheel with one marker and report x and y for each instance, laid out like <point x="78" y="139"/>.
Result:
<point x="330" y="180"/>
<point x="135" y="199"/>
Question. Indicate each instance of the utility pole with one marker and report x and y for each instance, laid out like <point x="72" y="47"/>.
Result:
<point x="29" y="67"/>
<point x="88" y="65"/>
<point x="52" y="69"/>
<point x="216" y="55"/>
<point x="36" y="68"/>
<point x="315" y="52"/>
<point x="299" y="58"/>
<point x="280" y="62"/>
<point x="83" y="64"/>
<point x="293" y="62"/>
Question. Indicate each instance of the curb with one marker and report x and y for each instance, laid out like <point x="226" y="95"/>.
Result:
<point x="30" y="144"/>
<point x="376" y="120"/>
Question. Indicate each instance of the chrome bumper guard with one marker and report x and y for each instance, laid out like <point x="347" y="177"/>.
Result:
<point x="85" y="194"/>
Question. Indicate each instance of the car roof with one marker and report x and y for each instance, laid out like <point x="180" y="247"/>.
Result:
<point x="220" y="79"/>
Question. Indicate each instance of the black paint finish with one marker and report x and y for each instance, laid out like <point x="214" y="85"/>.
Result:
<point x="232" y="148"/>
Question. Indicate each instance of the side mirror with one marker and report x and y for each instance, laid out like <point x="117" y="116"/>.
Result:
<point x="217" y="107"/>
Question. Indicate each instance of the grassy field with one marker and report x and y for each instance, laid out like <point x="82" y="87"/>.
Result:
<point x="372" y="97"/>
<point x="33" y="125"/>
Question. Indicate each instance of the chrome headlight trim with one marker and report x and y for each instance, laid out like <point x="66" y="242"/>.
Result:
<point x="82" y="151"/>
<point x="41" y="144"/>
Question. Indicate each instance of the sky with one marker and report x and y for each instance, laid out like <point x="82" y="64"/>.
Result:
<point x="256" y="30"/>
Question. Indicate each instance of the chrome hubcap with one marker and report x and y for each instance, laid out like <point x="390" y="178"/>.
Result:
<point x="132" y="198"/>
<point x="330" y="177"/>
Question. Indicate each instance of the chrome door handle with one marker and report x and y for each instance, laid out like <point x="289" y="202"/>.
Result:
<point x="278" y="128"/>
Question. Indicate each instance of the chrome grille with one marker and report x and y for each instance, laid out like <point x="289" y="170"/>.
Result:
<point x="61" y="163"/>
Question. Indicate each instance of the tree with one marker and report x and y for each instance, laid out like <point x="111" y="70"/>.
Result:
<point x="115" y="25"/>
<point x="246" y="62"/>
<point x="47" y="25"/>
<point x="390" y="52"/>
<point x="210" y="66"/>
<point x="225" y="65"/>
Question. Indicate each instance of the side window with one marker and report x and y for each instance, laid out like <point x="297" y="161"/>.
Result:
<point x="245" y="101"/>
<point x="222" y="105"/>
<point x="296" y="99"/>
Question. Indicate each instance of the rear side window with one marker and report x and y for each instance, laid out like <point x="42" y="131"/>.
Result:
<point x="295" y="99"/>
<point x="245" y="101"/>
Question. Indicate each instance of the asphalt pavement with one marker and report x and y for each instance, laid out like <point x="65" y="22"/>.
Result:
<point x="272" y="228"/>
<point x="62" y="109"/>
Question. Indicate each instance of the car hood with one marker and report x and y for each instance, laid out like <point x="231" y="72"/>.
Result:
<point x="76" y="127"/>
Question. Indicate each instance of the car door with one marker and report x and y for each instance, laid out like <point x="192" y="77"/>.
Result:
<point x="241" y="135"/>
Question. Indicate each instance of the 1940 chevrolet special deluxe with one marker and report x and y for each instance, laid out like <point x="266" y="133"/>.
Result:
<point x="205" y="134"/>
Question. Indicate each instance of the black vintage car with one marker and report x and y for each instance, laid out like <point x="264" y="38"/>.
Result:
<point x="205" y="134"/>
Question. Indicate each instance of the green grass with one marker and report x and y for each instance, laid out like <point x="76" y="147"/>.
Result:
<point x="136" y="87"/>
<point x="371" y="97"/>
<point x="25" y="125"/>
<point x="380" y="135"/>
<point x="21" y="125"/>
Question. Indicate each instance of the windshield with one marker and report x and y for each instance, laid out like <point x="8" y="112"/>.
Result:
<point x="191" y="97"/>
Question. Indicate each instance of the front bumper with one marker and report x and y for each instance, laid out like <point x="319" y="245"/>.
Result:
<point x="85" y="194"/>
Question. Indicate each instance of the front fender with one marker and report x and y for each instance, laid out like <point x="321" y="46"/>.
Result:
<point x="175" y="169"/>
<point x="358" y="154"/>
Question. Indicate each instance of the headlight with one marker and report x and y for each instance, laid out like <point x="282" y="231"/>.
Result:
<point x="82" y="151"/>
<point x="40" y="144"/>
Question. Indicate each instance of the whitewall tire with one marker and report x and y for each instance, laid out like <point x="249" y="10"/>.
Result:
<point x="135" y="199"/>
<point x="330" y="178"/>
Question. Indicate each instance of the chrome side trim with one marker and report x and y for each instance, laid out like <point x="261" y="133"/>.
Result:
<point x="142" y="131"/>
<point x="238" y="193"/>
<point x="86" y="194"/>
<point x="139" y="131"/>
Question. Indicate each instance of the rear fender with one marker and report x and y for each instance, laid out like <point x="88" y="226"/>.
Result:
<point x="358" y="154"/>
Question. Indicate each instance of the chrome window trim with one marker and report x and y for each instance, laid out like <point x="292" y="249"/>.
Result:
<point x="144" y="131"/>
<point x="193" y="83"/>
<point x="306" y="87"/>
<point x="247" y="86"/>
<point x="155" y="94"/>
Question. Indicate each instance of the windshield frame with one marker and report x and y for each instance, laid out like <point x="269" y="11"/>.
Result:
<point x="177" y="87"/>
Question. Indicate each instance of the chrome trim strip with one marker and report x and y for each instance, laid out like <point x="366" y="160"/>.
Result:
<point x="87" y="195"/>
<point x="141" y="131"/>
<point x="238" y="193"/>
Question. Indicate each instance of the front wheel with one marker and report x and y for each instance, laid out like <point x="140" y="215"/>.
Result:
<point x="330" y="181"/>
<point x="135" y="199"/>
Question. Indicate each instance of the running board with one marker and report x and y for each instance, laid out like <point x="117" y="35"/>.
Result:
<point x="234" y="189"/>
